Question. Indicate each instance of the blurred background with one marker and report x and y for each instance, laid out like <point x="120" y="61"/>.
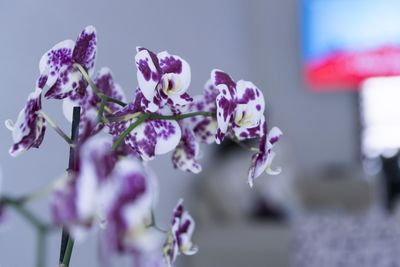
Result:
<point x="316" y="62"/>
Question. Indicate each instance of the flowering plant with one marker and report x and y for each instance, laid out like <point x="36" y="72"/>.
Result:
<point x="109" y="184"/>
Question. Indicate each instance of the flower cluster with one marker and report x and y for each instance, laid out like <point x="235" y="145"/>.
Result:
<point x="110" y="184"/>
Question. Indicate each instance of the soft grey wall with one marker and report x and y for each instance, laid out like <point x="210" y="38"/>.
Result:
<point x="255" y="40"/>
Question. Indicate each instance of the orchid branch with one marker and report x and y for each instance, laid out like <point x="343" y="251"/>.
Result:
<point x="131" y="127"/>
<point x="56" y="128"/>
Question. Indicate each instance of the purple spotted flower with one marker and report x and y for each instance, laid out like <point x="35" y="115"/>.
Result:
<point x="57" y="69"/>
<point x="150" y="138"/>
<point x="262" y="161"/>
<point x="129" y="212"/>
<point x="29" y="129"/>
<point x="81" y="200"/>
<point x="186" y="153"/>
<point x="179" y="238"/>
<point x="204" y="127"/>
<point x="240" y="107"/>
<point x="163" y="79"/>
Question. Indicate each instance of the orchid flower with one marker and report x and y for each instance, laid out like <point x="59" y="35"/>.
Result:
<point x="205" y="128"/>
<point x="240" y="107"/>
<point x="187" y="151"/>
<point x="57" y="69"/>
<point x="80" y="202"/>
<point x="129" y="212"/>
<point x="29" y="129"/>
<point x="262" y="161"/>
<point x="179" y="238"/>
<point x="150" y="138"/>
<point x="163" y="79"/>
<point x="104" y="81"/>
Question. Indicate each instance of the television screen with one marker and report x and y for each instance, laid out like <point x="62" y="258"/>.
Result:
<point x="347" y="41"/>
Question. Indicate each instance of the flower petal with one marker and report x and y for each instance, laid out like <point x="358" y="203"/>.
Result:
<point x="56" y="58"/>
<point x="224" y="83"/>
<point x="85" y="49"/>
<point x="105" y="82"/>
<point x="186" y="153"/>
<point x="29" y="129"/>
<point x="168" y="135"/>
<point x="206" y="129"/>
<point x="148" y="72"/>
<point x="225" y="110"/>
<point x="176" y="65"/>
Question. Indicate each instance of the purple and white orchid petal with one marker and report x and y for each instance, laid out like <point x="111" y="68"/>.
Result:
<point x="97" y="161"/>
<point x="206" y="129"/>
<point x="148" y="72"/>
<point x="262" y="161"/>
<point x="225" y="110"/>
<point x="179" y="100"/>
<point x="186" y="153"/>
<point x="69" y="82"/>
<point x="29" y="129"/>
<point x="243" y="132"/>
<point x="85" y="49"/>
<point x="224" y="83"/>
<point x="53" y="60"/>
<point x="179" y="238"/>
<point x="143" y="139"/>
<point x="250" y="105"/>
<point x="105" y="82"/>
<point x="57" y="65"/>
<point x="176" y="71"/>
<point x="168" y="135"/>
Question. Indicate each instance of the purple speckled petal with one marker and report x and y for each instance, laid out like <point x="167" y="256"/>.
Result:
<point x="172" y="64"/>
<point x="70" y="81"/>
<point x="85" y="49"/>
<point x="168" y="135"/>
<point x="249" y="112"/>
<point x="179" y="238"/>
<point x="224" y="83"/>
<point x="148" y="72"/>
<point x="97" y="161"/>
<point x="129" y="211"/>
<point x="29" y="129"/>
<point x="244" y="132"/>
<point x="105" y="82"/>
<point x="206" y="129"/>
<point x="225" y="111"/>
<point x="143" y="139"/>
<point x="186" y="153"/>
<point x="262" y="161"/>
<point x="54" y="60"/>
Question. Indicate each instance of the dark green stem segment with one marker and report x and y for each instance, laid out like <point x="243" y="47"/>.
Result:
<point x="72" y="164"/>
<point x="100" y="112"/>
<point x="68" y="253"/>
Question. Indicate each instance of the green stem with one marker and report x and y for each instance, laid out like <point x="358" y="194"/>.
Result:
<point x="41" y="249"/>
<point x="114" y="100"/>
<point x="17" y="205"/>
<point x="68" y="252"/>
<point x="55" y="127"/>
<point x="131" y="127"/>
<point x="181" y="116"/>
<point x="100" y="112"/>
